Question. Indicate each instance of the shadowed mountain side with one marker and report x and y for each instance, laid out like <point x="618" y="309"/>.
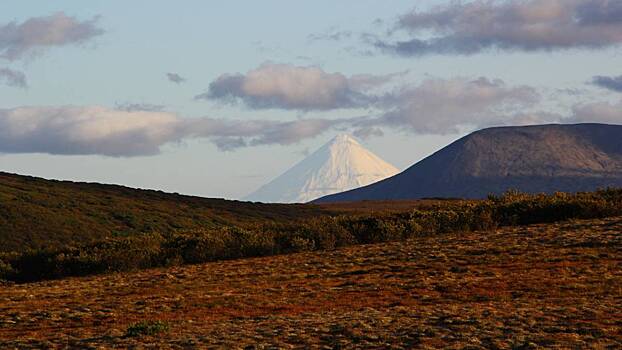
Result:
<point x="37" y="213"/>
<point x="542" y="158"/>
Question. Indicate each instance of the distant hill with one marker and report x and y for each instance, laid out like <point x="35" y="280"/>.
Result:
<point x="340" y="165"/>
<point x="37" y="213"/>
<point x="542" y="158"/>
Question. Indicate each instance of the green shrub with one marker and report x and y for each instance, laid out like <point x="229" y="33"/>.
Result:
<point x="146" y="328"/>
<point x="250" y="243"/>
<point x="320" y="233"/>
<point x="6" y="270"/>
<point x="196" y="247"/>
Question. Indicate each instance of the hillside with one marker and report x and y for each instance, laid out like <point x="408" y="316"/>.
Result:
<point x="340" y="165"/>
<point x="533" y="159"/>
<point x="542" y="286"/>
<point x="37" y="213"/>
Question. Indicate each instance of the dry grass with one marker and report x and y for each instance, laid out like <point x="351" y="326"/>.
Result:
<point x="555" y="285"/>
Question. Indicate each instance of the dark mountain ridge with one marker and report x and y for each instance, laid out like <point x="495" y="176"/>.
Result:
<point x="539" y="158"/>
<point x="37" y="213"/>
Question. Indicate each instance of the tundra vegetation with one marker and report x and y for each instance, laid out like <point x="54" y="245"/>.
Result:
<point x="263" y="237"/>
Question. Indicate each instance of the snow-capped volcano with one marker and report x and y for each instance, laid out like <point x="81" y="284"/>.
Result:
<point x="340" y="165"/>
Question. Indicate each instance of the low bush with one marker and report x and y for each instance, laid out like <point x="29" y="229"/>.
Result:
<point x="321" y="233"/>
<point x="6" y="270"/>
<point x="146" y="328"/>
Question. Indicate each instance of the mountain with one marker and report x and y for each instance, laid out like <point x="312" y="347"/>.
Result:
<point x="541" y="158"/>
<point x="37" y="213"/>
<point x="340" y="165"/>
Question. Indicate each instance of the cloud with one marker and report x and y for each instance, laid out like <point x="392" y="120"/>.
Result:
<point x="290" y="87"/>
<point x="332" y="34"/>
<point x="175" y="78"/>
<point x="13" y="78"/>
<point x="609" y="83"/>
<point x="516" y="25"/>
<point x="367" y="132"/>
<point x="598" y="112"/>
<point x="256" y="132"/>
<point x="434" y="106"/>
<point x="367" y="82"/>
<point x="286" y="133"/>
<point x="137" y="107"/>
<point x="96" y="130"/>
<point x="85" y="130"/>
<point x="439" y="106"/>
<point x="36" y="34"/>
<point x="233" y="135"/>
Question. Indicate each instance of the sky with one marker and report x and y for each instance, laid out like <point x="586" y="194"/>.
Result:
<point x="216" y="98"/>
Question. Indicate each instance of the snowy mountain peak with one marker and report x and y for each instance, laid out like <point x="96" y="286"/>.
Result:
<point x="340" y="165"/>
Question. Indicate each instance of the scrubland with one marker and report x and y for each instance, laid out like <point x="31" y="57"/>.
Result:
<point x="521" y="287"/>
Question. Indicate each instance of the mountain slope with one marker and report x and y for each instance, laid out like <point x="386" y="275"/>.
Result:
<point x="37" y="213"/>
<point x="340" y="165"/>
<point x="542" y="158"/>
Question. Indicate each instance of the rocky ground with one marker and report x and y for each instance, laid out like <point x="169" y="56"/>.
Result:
<point x="542" y="286"/>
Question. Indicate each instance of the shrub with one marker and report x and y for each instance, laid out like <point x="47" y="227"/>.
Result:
<point x="6" y="270"/>
<point x="324" y="232"/>
<point x="196" y="247"/>
<point x="370" y="229"/>
<point x="146" y="328"/>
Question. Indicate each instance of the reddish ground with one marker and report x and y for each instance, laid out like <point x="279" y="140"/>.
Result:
<point x="539" y="286"/>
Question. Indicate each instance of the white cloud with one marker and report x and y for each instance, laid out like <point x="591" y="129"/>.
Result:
<point x="439" y="106"/>
<point x="73" y="130"/>
<point x="85" y="130"/>
<point x="290" y="87"/>
<point x="96" y="130"/>
<point x="597" y="112"/>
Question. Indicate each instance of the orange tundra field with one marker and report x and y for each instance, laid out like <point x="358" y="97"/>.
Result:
<point x="554" y="285"/>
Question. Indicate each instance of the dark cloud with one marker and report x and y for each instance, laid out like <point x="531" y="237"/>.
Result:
<point x="227" y="144"/>
<point x="599" y="12"/>
<point x="610" y="83"/>
<point x="525" y="25"/>
<point x="175" y="78"/>
<point x="39" y="33"/>
<point x="13" y="78"/>
<point x="290" y="87"/>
